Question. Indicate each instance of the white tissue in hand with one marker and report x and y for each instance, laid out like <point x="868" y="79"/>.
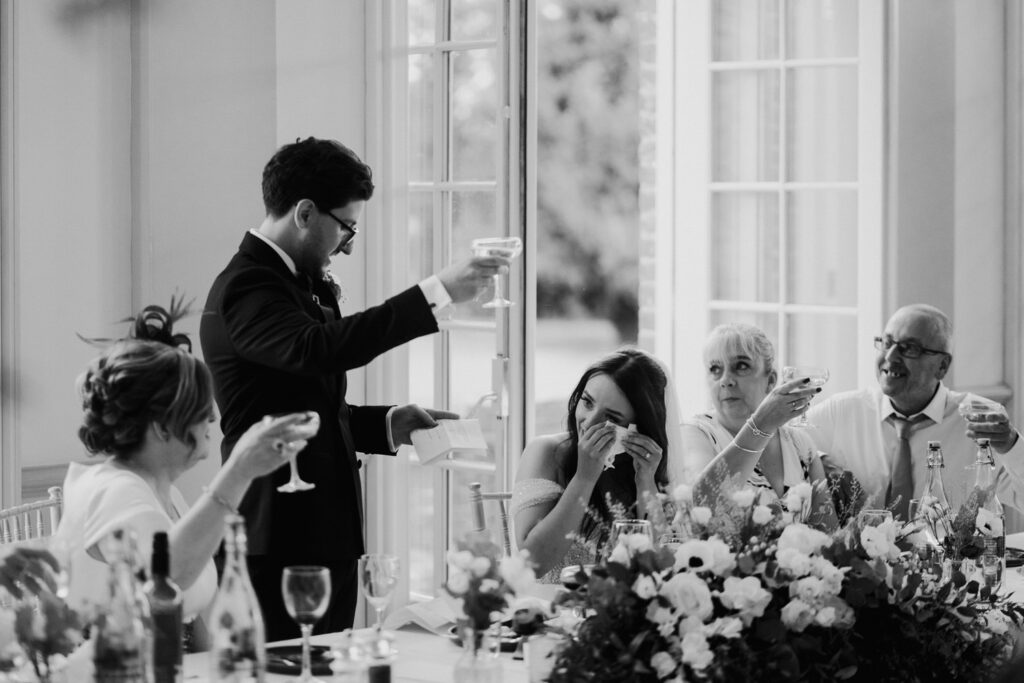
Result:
<point x="616" y="445"/>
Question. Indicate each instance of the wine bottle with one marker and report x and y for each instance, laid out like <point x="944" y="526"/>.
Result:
<point x="165" y="609"/>
<point x="238" y="653"/>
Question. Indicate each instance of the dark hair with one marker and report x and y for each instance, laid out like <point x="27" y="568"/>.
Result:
<point x="324" y="171"/>
<point x="643" y="382"/>
<point x="141" y="380"/>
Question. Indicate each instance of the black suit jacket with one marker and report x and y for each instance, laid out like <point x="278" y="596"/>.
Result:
<point x="272" y="349"/>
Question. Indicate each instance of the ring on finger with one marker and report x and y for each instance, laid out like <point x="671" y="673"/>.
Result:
<point x="278" y="445"/>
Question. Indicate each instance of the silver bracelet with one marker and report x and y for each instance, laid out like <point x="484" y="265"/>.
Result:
<point x="747" y="450"/>
<point x="757" y="432"/>
<point x="220" y="500"/>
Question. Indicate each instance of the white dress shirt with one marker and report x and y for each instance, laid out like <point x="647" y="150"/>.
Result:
<point x="854" y="431"/>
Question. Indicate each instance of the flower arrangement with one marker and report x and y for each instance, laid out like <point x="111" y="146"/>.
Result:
<point x="48" y="631"/>
<point x="756" y="593"/>
<point x="483" y="583"/>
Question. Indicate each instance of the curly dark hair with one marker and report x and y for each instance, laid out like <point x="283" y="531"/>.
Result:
<point x="148" y="378"/>
<point x="324" y="171"/>
<point x="643" y="382"/>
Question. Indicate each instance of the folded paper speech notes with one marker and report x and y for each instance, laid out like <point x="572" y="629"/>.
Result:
<point x="447" y="438"/>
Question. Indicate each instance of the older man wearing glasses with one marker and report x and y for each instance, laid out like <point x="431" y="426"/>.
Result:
<point x="881" y="434"/>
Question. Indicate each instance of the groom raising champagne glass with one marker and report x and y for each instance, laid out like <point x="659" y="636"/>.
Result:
<point x="273" y="335"/>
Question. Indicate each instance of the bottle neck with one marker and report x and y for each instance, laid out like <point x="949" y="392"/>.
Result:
<point x="985" y="473"/>
<point x="160" y="565"/>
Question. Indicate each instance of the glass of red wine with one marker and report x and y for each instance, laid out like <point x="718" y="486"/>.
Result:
<point x="307" y="592"/>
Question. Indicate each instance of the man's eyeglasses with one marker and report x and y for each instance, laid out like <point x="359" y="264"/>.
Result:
<point x="907" y="349"/>
<point x="348" y="226"/>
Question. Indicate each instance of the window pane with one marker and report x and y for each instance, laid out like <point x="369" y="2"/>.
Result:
<point x="823" y="124"/>
<point x="421" y="117"/>
<point x="745" y="30"/>
<point x="421" y="509"/>
<point x="474" y="19"/>
<point x="745" y="246"/>
<point x="822" y="247"/>
<point x="821" y="28"/>
<point x="825" y="340"/>
<point x="473" y="124"/>
<point x="745" y="125"/>
<point x="422" y="17"/>
<point x="421" y="376"/>
<point x="421" y="235"/>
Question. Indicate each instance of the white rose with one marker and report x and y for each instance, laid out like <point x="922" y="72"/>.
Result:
<point x="489" y="586"/>
<point x="745" y="595"/>
<point x="637" y="543"/>
<point x="826" y="616"/>
<point x="830" y="575"/>
<point x="458" y="583"/>
<point x="803" y="491"/>
<point x="517" y="570"/>
<point x="690" y="625"/>
<point x="460" y="559"/>
<point x="797" y="615"/>
<point x="996" y="621"/>
<point x="700" y="515"/>
<point x="722" y="559"/>
<point x="696" y="652"/>
<point x="644" y="587"/>
<point x="619" y="555"/>
<point x="663" y="663"/>
<point x="744" y="498"/>
<point x="689" y="595"/>
<point x="803" y="538"/>
<point x="762" y="514"/>
<point x="662" y="617"/>
<point x="727" y="627"/>
<point x="809" y="589"/>
<point x="480" y="566"/>
<point x="874" y="541"/>
<point x="683" y="494"/>
<point x="793" y="561"/>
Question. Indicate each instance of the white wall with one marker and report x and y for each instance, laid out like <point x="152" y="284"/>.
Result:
<point x="133" y="156"/>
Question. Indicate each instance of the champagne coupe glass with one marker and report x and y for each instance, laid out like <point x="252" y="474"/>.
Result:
<point x="307" y="592"/>
<point x="306" y="429"/>
<point x="818" y="377"/>
<point x="979" y="410"/>
<point x="628" y="527"/>
<point x="378" y="575"/>
<point x="503" y="247"/>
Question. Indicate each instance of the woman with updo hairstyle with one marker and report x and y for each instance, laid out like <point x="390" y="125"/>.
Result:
<point x="147" y="407"/>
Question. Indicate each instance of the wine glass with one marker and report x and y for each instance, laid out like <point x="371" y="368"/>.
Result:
<point x="628" y="527"/>
<point x="818" y="377"/>
<point x="306" y="429"/>
<point x="378" y="575"/>
<point x="979" y="410"/>
<point x="873" y="517"/>
<point x="307" y="592"/>
<point x="502" y="247"/>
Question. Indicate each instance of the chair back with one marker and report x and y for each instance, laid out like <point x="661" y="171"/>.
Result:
<point x="38" y="519"/>
<point x="476" y="502"/>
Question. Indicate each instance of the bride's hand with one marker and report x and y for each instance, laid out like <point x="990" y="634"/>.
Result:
<point x="783" y="403"/>
<point x="646" y="454"/>
<point x="592" y="449"/>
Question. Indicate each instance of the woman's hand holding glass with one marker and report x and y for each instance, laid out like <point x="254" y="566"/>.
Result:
<point x="789" y="399"/>
<point x="262" y="448"/>
<point x="816" y="378"/>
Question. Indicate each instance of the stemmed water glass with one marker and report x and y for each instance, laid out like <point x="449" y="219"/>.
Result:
<point x="817" y="376"/>
<point x="307" y="593"/>
<point x="501" y="247"/>
<point x="628" y="527"/>
<point x="306" y="429"/>
<point x="977" y="410"/>
<point x="378" y="576"/>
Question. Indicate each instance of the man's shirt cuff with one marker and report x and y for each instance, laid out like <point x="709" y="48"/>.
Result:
<point x="438" y="298"/>
<point x="387" y="429"/>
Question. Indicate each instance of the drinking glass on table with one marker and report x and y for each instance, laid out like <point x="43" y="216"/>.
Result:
<point x="378" y="576"/>
<point x="873" y="517"/>
<point x="628" y="527"/>
<point x="306" y="429"/>
<point x="307" y="593"/>
<point x="502" y="247"/>
<point x="817" y="376"/>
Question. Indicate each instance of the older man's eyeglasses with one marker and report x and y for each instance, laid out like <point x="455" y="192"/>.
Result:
<point x="907" y="349"/>
<point x="351" y="227"/>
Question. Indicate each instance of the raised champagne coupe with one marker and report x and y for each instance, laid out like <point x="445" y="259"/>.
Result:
<point x="307" y="593"/>
<point x="378" y="576"/>
<point x="979" y="410"/>
<point x="818" y="377"/>
<point x="306" y="429"/>
<point x="501" y="247"/>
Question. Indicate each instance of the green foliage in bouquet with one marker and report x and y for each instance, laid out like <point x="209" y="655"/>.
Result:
<point x="47" y="630"/>
<point x="756" y="594"/>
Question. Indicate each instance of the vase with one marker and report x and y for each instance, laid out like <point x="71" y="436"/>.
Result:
<point x="479" y="661"/>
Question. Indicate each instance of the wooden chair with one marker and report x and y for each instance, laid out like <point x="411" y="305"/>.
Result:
<point x="38" y="519"/>
<point x="476" y="501"/>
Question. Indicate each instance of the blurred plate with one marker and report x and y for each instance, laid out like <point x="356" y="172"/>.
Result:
<point x="1014" y="557"/>
<point x="287" y="659"/>
<point x="509" y="639"/>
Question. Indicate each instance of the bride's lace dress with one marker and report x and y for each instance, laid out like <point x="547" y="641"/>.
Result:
<point x="532" y="492"/>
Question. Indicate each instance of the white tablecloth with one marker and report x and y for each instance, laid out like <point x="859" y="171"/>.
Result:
<point x="422" y="658"/>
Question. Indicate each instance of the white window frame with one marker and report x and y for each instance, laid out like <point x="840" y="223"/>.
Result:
<point x="681" y="283"/>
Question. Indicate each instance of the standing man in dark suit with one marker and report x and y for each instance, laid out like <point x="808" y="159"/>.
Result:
<point x="273" y="336"/>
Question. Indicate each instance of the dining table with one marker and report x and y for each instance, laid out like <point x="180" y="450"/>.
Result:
<point x="422" y="657"/>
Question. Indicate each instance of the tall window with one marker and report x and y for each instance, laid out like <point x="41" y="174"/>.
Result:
<point x="777" y="181"/>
